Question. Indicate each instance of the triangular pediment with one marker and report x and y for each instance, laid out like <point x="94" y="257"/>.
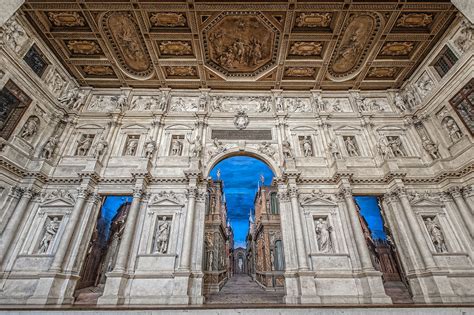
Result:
<point x="317" y="201"/>
<point x="347" y="128"/>
<point x="58" y="202"/>
<point x="424" y="202"/>
<point x="135" y="126"/>
<point x="165" y="202"/>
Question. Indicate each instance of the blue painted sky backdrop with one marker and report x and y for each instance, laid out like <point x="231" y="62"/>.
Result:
<point x="110" y="207"/>
<point x="369" y="209"/>
<point x="241" y="175"/>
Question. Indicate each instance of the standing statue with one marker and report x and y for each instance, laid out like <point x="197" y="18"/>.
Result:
<point x="436" y="235"/>
<point x="453" y="130"/>
<point x="121" y="102"/>
<point x="395" y="145"/>
<point x="176" y="147"/>
<point x="430" y="147"/>
<point x="319" y="103"/>
<point x="131" y="147"/>
<point x="49" y="147"/>
<point x="196" y="146"/>
<point x="100" y="147"/>
<point x="279" y="104"/>
<point x="411" y="98"/>
<point x="351" y="147"/>
<point x="286" y="147"/>
<point x="83" y="145"/>
<point x="149" y="148"/>
<point x="334" y="150"/>
<point x="30" y="128"/>
<point x="383" y="148"/>
<point x="163" y="236"/>
<point x="50" y="232"/>
<point x="307" y="147"/>
<point x="323" y="236"/>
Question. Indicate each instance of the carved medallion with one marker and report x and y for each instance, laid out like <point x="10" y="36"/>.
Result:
<point x="68" y="19"/>
<point x="352" y="49"/>
<point x="241" y="44"/>
<point x="101" y="71"/>
<point x="181" y="71"/>
<point x="176" y="48"/>
<point x="83" y="47"/>
<point x="306" y="48"/>
<point x="382" y="72"/>
<point x="169" y="19"/>
<point x="313" y="20"/>
<point x="241" y="120"/>
<point x="397" y="49"/>
<point x="128" y="45"/>
<point x="413" y="20"/>
<point x="300" y="72"/>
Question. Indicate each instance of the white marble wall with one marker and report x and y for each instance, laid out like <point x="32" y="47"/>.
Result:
<point x="321" y="184"/>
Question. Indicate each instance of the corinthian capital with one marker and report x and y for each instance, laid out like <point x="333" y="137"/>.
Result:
<point x="346" y="192"/>
<point x="192" y="192"/>
<point x="138" y="192"/>
<point x="293" y="192"/>
<point x="83" y="192"/>
<point x="455" y="191"/>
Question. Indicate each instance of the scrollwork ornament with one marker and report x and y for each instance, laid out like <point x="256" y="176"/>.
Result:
<point x="16" y="191"/>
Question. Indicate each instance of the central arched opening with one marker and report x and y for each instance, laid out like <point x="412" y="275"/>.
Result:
<point x="243" y="250"/>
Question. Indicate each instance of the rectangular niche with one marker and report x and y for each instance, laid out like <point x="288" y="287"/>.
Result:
<point x="48" y="237"/>
<point x="84" y="144"/>
<point x="36" y="60"/>
<point x="131" y="145"/>
<point x="14" y="103"/>
<point x="161" y="235"/>
<point x="435" y="233"/>
<point x="325" y="242"/>
<point x="176" y="146"/>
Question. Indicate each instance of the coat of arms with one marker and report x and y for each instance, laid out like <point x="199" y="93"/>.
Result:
<point x="241" y="119"/>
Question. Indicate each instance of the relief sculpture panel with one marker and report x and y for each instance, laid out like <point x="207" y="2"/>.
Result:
<point x="128" y="45"/>
<point x="351" y="51"/>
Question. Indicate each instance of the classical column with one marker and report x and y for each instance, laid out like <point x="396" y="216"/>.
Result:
<point x="129" y="230"/>
<point x="185" y="261"/>
<point x="463" y="208"/>
<point x="468" y="194"/>
<point x="72" y="224"/>
<point x="16" y="221"/>
<point x="416" y="230"/>
<point x="297" y="226"/>
<point x="364" y="255"/>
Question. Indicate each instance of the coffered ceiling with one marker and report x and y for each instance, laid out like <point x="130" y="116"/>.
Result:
<point x="296" y="45"/>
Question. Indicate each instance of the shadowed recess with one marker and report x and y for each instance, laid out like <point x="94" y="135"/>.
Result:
<point x="241" y="176"/>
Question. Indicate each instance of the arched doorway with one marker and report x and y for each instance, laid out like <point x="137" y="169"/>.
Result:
<point x="243" y="245"/>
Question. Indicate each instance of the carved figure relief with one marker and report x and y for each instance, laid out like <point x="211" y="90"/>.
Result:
<point x="240" y="43"/>
<point x="436" y="234"/>
<point x="400" y="102"/>
<point x="67" y="19"/>
<point x="267" y="149"/>
<point x="128" y="45"/>
<point x="131" y="145"/>
<point x="323" y="236"/>
<point x="144" y="103"/>
<point x="72" y="98"/>
<point x="395" y="145"/>
<point x="100" y="148"/>
<point x="196" y="146"/>
<point x="424" y="84"/>
<point x="51" y="229"/>
<point x="176" y="148"/>
<point x="430" y="147"/>
<point x="241" y="120"/>
<point x="183" y="104"/>
<point x="162" y="236"/>
<point x="351" y="51"/>
<point x="306" y="146"/>
<point x="466" y="36"/>
<point x="15" y="35"/>
<point x="217" y="148"/>
<point x="175" y="48"/>
<point x="30" y="128"/>
<point x="168" y="19"/>
<point x="56" y="83"/>
<point x="286" y="149"/>
<point x="333" y="149"/>
<point x="149" y="149"/>
<point x="306" y="49"/>
<point x="351" y="145"/>
<point x="84" y="47"/>
<point x="84" y="144"/>
<point x="315" y="20"/>
<point x="298" y="105"/>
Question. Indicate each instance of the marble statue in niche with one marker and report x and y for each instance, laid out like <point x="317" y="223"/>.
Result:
<point x="84" y="144"/>
<point x="323" y="236"/>
<point x="334" y="150"/>
<point x="30" y="128"/>
<point x="149" y="148"/>
<point x="351" y="146"/>
<point x="436" y="234"/>
<point x="51" y="229"/>
<point x="452" y="128"/>
<point x="176" y="146"/>
<point x="196" y="146"/>
<point x="410" y="97"/>
<point x="383" y="148"/>
<point x="286" y="148"/>
<point x="15" y="36"/>
<point x="121" y="102"/>
<point x="320" y="104"/>
<point x="279" y="105"/>
<point x="306" y="145"/>
<point x="395" y="145"/>
<point x="466" y="36"/>
<point x="131" y="145"/>
<point x="162" y="236"/>
<point x="424" y="84"/>
<point x="430" y="147"/>
<point x="48" y="149"/>
<point x="100" y="147"/>
<point x="209" y="251"/>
